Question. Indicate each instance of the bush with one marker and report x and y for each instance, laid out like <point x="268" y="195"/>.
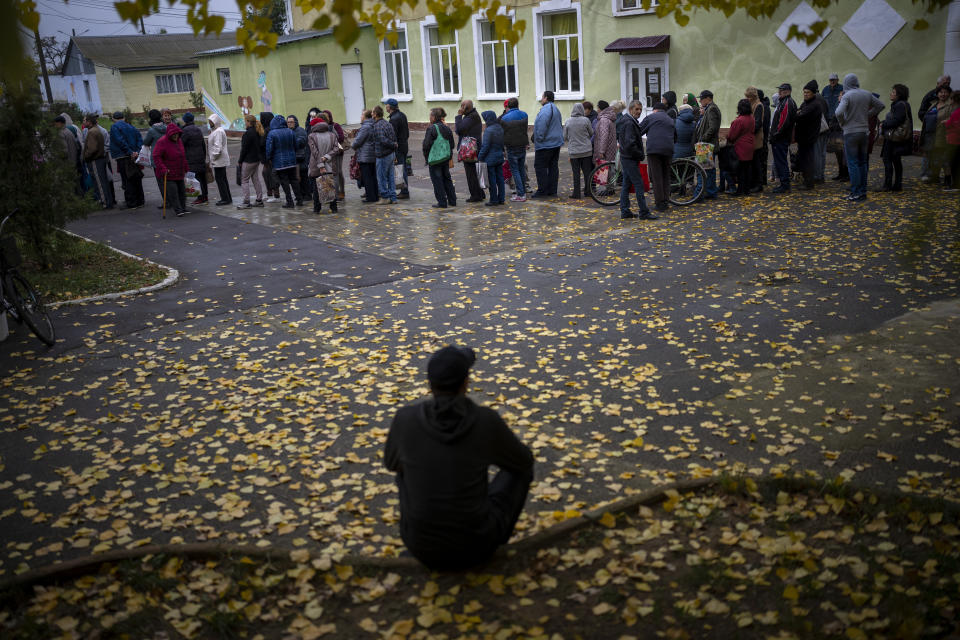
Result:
<point x="70" y="108"/>
<point x="35" y="176"/>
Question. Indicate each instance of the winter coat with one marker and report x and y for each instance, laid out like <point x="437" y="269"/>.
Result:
<point x="741" y="137"/>
<point x="898" y="114"/>
<point x="469" y="125"/>
<point x="856" y="107"/>
<point x="578" y="133"/>
<point x="661" y="133"/>
<point x="807" y="128"/>
<point x="431" y="134"/>
<point x="514" y="123"/>
<point x="94" y="146"/>
<point x="323" y="148"/>
<point x="250" y="146"/>
<point x="548" y="128"/>
<point x="783" y="121"/>
<point x="363" y="143"/>
<point x="831" y="95"/>
<point x="940" y="133"/>
<point x="154" y="133"/>
<point x="300" y="136"/>
<point x="685" y="125"/>
<point x="670" y="99"/>
<point x="125" y="140"/>
<point x="169" y="157"/>
<point x="630" y="138"/>
<point x="401" y="129"/>
<point x="708" y="129"/>
<point x="71" y="146"/>
<point x="605" y="138"/>
<point x="491" y="150"/>
<point x="218" y="154"/>
<point x="281" y="144"/>
<point x="384" y="139"/>
<point x="952" y="125"/>
<point x="196" y="148"/>
<point x="266" y="117"/>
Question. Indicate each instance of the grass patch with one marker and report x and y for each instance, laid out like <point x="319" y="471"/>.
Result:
<point x="87" y="269"/>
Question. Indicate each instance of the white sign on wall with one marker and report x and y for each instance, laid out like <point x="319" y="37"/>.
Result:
<point x="804" y="16"/>
<point x="873" y="26"/>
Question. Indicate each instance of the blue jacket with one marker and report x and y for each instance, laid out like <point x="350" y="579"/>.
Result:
<point x="548" y="128"/>
<point x="300" y="135"/>
<point x="491" y="150"/>
<point x="281" y="144"/>
<point x="124" y="140"/>
<point x="832" y="96"/>
<point x="364" y="143"/>
<point x="685" y="125"/>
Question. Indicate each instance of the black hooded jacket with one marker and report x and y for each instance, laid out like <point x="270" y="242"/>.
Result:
<point x="441" y="449"/>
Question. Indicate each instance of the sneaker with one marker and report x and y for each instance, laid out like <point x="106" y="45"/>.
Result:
<point x="272" y="199"/>
<point x="385" y="201"/>
<point x="180" y="214"/>
<point x="258" y="203"/>
<point x="200" y="200"/>
<point x="518" y="199"/>
<point x="244" y="205"/>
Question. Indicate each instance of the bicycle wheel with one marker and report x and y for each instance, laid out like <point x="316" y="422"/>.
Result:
<point x="605" y="183"/>
<point x="687" y="181"/>
<point x="29" y="307"/>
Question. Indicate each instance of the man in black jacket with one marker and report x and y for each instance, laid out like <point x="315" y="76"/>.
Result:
<point x="470" y="125"/>
<point x="807" y="133"/>
<point x="195" y="149"/>
<point x="781" y="135"/>
<point x="441" y="449"/>
<point x="398" y="120"/>
<point x="630" y="139"/>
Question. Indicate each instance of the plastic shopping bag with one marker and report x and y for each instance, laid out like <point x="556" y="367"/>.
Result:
<point x="192" y="184"/>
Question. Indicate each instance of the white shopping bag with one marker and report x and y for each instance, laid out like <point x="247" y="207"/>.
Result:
<point x="482" y="174"/>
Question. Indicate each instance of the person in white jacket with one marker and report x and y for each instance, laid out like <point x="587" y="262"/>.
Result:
<point x="219" y="158"/>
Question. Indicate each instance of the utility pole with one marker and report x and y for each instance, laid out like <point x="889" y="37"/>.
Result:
<point x="43" y="65"/>
<point x="143" y="29"/>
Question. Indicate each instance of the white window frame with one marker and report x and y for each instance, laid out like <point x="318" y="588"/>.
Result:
<point x="220" y="71"/>
<point x="545" y="8"/>
<point x="174" y="80"/>
<point x="478" y="19"/>
<point x="430" y="95"/>
<point x="385" y="68"/>
<point x="619" y="11"/>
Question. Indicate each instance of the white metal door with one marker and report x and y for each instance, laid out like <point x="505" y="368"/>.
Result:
<point x="645" y="80"/>
<point x="353" y="99"/>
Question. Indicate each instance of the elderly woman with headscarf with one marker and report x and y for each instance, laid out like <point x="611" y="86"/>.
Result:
<point x="337" y="129"/>
<point x="323" y="167"/>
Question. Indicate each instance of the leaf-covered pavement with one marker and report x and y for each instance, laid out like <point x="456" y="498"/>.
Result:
<point x="710" y="340"/>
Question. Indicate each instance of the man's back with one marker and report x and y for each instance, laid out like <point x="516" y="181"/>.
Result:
<point x="856" y="106"/>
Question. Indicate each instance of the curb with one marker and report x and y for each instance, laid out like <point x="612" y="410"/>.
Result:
<point x="81" y="566"/>
<point x="172" y="276"/>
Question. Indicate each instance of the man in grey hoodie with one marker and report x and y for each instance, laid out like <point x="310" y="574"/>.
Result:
<point x="853" y="113"/>
<point x="451" y="517"/>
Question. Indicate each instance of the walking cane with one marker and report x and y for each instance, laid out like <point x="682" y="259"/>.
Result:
<point x="164" y="196"/>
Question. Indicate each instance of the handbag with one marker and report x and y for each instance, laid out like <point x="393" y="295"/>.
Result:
<point x="902" y="132"/>
<point x="468" y="150"/>
<point x="704" y="151"/>
<point x="210" y="176"/>
<point x="824" y="126"/>
<point x="439" y="149"/>
<point x="835" y="142"/>
<point x="145" y="156"/>
<point x="354" y="168"/>
<point x="729" y="161"/>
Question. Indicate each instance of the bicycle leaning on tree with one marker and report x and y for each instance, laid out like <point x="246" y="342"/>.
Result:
<point x="20" y="299"/>
<point x="687" y="182"/>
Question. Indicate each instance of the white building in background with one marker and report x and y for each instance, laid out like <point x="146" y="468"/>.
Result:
<point x="77" y="83"/>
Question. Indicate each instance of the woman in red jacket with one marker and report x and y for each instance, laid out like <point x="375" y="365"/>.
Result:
<point x="170" y="162"/>
<point x="740" y="137"/>
<point x="952" y="157"/>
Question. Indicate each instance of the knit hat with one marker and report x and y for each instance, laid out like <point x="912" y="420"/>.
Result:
<point x="691" y="99"/>
<point x="316" y="120"/>
<point x="506" y="104"/>
<point x="188" y="117"/>
<point x="448" y="367"/>
<point x="812" y="86"/>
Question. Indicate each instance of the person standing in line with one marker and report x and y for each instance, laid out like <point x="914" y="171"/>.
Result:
<point x="831" y="95"/>
<point x="71" y="150"/>
<point x="282" y="154"/>
<point x="270" y="180"/>
<point x="363" y="146"/>
<point x="661" y="134"/>
<point x="440" y="169"/>
<point x="605" y="136"/>
<point x="690" y="99"/>
<point x="323" y="149"/>
<point x="670" y="99"/>
<point x="685" y="127"/>
<point x="154" y="132"/>
<point x="95" y="157"/>
<point x="219" y="158"/>
<point x="939" y="160"/>
<point x="196" y="149"/>
<point x="469" y="125"/>
<point x="708" y="130"/>
<point x="952" y="132"/>
<point x="401" y="129"/>
<point x="249" y="162"/>
<point x="853" y="114"/>
<point x="385" y="149"/>
<point x="491" y="152"/>
<point x="338" y="159"/>
<point x="894" y="150"/>
<point x="451" y="516"/>
<point x="781" y="135"/>
<point x="741" y="138"/>
<point x="752" y="95"/>
<point x="301" y="183"/>
<point x="170" y="165"/>
<point x="630" y="139"/>
<point x="125" y="143"/>
<point x="807" y="134"/>
<point x="578" y="136"/>
<point x="515" y="140"/>
<point x="591" y="113"/>
<point x="823" y="134"/>
<point x="928" y="101"/>
<point x="547" y="140"/>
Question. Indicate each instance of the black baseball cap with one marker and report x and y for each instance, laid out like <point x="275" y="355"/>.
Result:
<point x="448" y="367"/>
<point x="706" y="93"/>
<point x="786" y="85"/>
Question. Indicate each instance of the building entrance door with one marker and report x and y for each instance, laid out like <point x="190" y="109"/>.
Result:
<point x="353" y="99"/>
<point x="644" y="78"/>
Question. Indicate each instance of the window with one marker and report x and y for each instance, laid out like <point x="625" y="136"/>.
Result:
<point x="313" y="76"/>
<point x="632" y="7"/>
<point x="441" y="63"/>
<point x="561" y="53"/>
<point x="496" y="63"/>
<point x="223" y="75"/>
<point x="86" y="88"/>
<point x="175" y="83"/>
<point x="395" y="67"/>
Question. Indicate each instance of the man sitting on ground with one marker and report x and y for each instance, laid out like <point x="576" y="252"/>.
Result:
<point x="441" y="449"/>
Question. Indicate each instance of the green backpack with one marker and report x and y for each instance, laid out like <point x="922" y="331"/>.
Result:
<point x="440" y="150"/>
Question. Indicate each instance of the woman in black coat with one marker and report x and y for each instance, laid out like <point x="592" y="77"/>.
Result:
<point x="893" y="151"/>
<point x="809" y="117"/>
<point x="195" y="149"/>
